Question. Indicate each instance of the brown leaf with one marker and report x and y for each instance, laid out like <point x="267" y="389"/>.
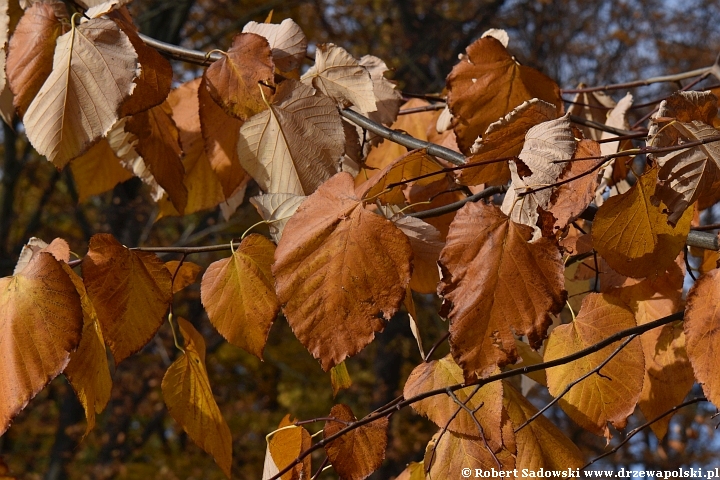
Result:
<point x="358" y="453"/>
<point x="185" y="276"/>
<point x="438" y="193"/>
<point x="221" y="132"/>
<point x="239" y="295"/>
<point x="426" y="245"/>
<point x="487" y="85"/>
<point x="130" y="291"/>
<point x="593" y="106"/>
<point x="612" y="396"/>
<point x="339" y="76"/>
<point x="158" y="143"/>
<point x="295" y="145"/>
<point x="413" y="164"/>
<point x="443" y="410"/>
<point x="450" y="453"/>
<point x="387" y="98"/>
<point x="499" y="285"/>
<point x="93" y="72"/>
<point x="701" y="333"/>
<point x="540" y="444"/>
<point x="97" y="170"/>
<point x="31" y="49"/>
<point x="284" y="447"/>
<point x="340" y="271"/>
<point x="42" y="322"/>
<point x="504" y="138"/>
<point x="59" y="249"/>
<point x="633" y="235"/>
<point x="189" y="399"/>
<point x="544" y="144"/>
<point x="237" y="82"/>
<point x="288" y="43"/>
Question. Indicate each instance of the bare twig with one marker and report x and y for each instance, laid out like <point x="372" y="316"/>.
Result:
<point x="641" y="83"/>
<point x="463" y="406"/>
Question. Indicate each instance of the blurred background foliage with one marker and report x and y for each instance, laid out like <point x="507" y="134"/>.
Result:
<point x="572" y="41"/>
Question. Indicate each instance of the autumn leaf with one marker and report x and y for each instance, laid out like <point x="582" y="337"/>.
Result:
<point x="284" y="447"/>
<point x="241" y="80"/>
<point x="450" y="453"/>
<point x="97" y="170"/>
<point x="358" y="453"/>
<point x="276" y="209"/>
<point x="414" y="471"/>
<point x="183" y="276"/>
<point x="387" y="98"/>
<point x="504" y="138"/>
<point x="97" y="8"/>
<point x="239" y="296"/>
<point x="158" y="144"/>
<point x="545" y="144"/>
<point x="498" y="284"/>
<point x="702" y="338"/>
<point x="487" y="85"/>
<point x="31" y="49"/>
<point x="287" y="41"/>
<point x="42" y="323"/>
<point x="540" y="444"/>
<point x="339" y="76"/>
<point x="426" y="246"/>
<point x="340" y="378"/>
<point x="592" y="106"/>
<point x="633" y="235"/>
<point x="88" y="371"/>
<point x="444" y="411"/>
<point x="340" y="271"/>
<point x="610" y="396"/>
<point x="221" y="132"/>
<point x="78" y="104"/>
<point x="189" y="399"/>
<point x="130" y="291"/>
<point x="296" y="144"/>
<point x="435" y="195"/>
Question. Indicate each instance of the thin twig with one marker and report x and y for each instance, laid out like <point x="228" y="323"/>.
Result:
<point x="641" y="83"/>
<point x="452" y="207"/>
<point x="434" y="347"/>
<point x="463" y="406"/>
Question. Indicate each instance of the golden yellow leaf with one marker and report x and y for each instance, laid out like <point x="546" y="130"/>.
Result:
<point x="185" y="276"/>
<point x="540" y="444"/>
<point x="97" y="170"/>
<point x="93" y="72"/>
<point x="340" y="272"/>
<point x="188" y="396"/>
<point x="340" y="378"/>
<point x="239" y="296"/>
<point x="442" y="408"/>
<point x="612" y="395"/>
<point x="284" y="447"/>
<point x="130" y="291"/>
<point x="633" y="235"/>
<point x="414" y="471"/>
<point x="359" y="452"/>
<point x="42" y="322"/>
<point x="450" y="453"/>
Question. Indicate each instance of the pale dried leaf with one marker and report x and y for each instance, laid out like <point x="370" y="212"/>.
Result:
<point x="276" y="209"/>
<point x="287" y="42"/>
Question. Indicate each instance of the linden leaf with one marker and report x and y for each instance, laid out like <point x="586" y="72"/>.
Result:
<point x="426" y="245"/>
<point x="42" y="322"/>
<point x="31" y="49"/>
<point x="504" y="138"/>
<point x="545" y="144"/>
<point x="633" y="235"/>
<point x="184" y="276"/>
<point x="93" y="71"/>
<point x="189" y="399"/>
<point x="612" y="395"/>
<point x="434" y="195"/>
<point x="443" y="410"/>
<point x="130" y="291"/>
<point x="287" y="42"/>
<point x="340" y="378"/>
<point x="276" y="209"/>
<point x="296" y="144"/>
<point x="97" y="8"/>
<point x="414" y="471"/>
<point x="487" y="85"/>
<point x="88" y="371"/>
<point x="240" y="80"/>
<point x="668" y="373"/>
<point x="284" y="447"/>
<point x="221" y="132"/>
<point x="97" y="170"/>
<point x="339" y="76"/>
<point x="387" y="98"/>
<point x="702" y="336"/>
<point x="498" y="285"/>
<point x="359" y="452"/>
<point x="340" y="272"/>
<point x="158" y="143"/>
<point x="540" y="444"/>
<point x="451" y="453"/>
<point x="593" y="106"/>
<point x="239" y="296"/>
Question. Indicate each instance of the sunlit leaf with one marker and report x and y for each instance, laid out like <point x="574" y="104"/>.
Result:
<point x="276" y="209"/>
<point x="340" y="378"/>
<point x="97" y="170"/>
<point x="451" y="453"/>
<point x="287" y="42"/>
<point x="414" y="164"/>
<point x="183" y="277"/>
<point x="284" y="447"/>
<point x="426" y="245"/>
<point x="189" y="398"/>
